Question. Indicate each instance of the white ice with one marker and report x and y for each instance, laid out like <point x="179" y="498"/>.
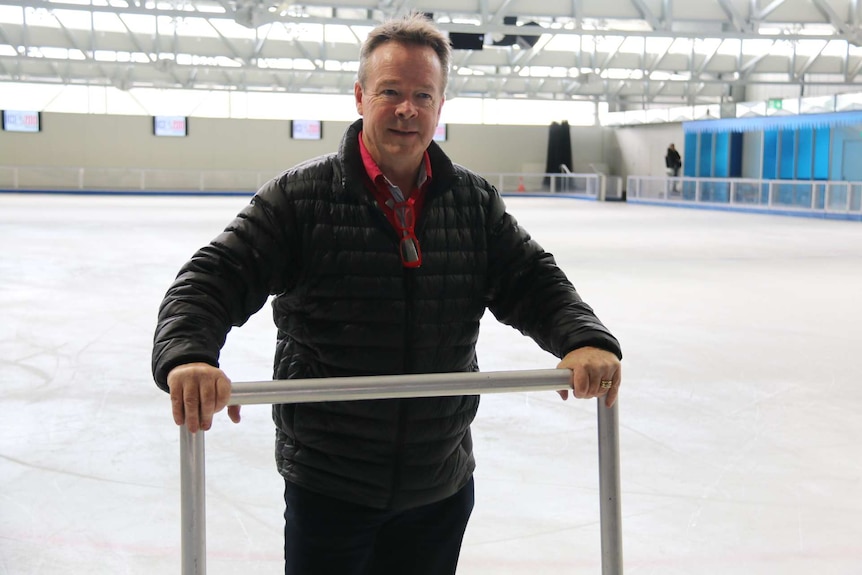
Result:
<point x="740" y="409"/>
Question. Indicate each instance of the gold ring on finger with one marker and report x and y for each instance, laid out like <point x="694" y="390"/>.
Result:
<point x="606" y="384"/>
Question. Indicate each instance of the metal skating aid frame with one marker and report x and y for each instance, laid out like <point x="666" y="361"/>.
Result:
<point x="192" y="474"/>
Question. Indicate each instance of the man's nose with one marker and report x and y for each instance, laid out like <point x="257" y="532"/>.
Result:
<point x="405" y="109"/>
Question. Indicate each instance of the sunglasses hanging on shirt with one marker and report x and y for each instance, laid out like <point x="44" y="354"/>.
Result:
<point x="405" y="223"/>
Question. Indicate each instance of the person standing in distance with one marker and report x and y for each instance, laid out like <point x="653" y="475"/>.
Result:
<point x="382" y="259"/>
<point x="673" y="163"/>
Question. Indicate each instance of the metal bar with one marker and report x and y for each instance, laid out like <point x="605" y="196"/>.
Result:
<point x="609" y="489"/>
<point x="398" y="386"/>
<point x="193" y="506"/>
<point x="192" y="474"/>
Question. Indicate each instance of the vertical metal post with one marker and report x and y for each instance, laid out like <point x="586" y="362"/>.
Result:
<point x="193" y="506"/>
<point x="609" y="489"/>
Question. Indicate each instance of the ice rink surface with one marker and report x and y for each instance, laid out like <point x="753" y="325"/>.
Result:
<point x="740" y="408"/>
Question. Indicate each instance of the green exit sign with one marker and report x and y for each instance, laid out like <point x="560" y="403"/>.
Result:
<point x="775" y="104"/>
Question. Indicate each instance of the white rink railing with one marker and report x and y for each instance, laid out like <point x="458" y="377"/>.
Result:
<point x="155" y="181"/>
<point x="57" y="179"/>
<point x="192" y="478"/>
<point x="818" y="197"/>
<point x="590" y="186"/>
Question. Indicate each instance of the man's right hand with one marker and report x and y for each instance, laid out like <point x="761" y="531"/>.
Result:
<point x="198" y="391"/>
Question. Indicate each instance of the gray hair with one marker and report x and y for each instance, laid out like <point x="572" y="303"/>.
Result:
<point x="413" y="29"/>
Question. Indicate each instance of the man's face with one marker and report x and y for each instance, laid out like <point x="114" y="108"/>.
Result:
<point x="400" y="104"/>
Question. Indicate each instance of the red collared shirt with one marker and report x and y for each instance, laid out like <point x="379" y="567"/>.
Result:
<point x="380" y="185"/>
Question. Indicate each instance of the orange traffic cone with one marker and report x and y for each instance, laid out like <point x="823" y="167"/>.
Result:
<point x="521" y="187"/>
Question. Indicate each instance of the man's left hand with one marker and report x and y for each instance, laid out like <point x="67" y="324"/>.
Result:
<point x="595" y="373"/>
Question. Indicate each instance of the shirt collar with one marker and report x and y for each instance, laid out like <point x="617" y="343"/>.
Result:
<point x="375" y="174"/>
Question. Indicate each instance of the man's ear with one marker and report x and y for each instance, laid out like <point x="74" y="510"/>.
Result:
<point x="357" y="94"/>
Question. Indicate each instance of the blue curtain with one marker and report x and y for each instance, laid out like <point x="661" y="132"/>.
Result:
<point x="735" y="154"/>
<point x="770" y="154"/>
<point x="689" y="159"/>
<point x="822" y="137"/>
<point x="787" y="155"/>
<point x="804" y="154"/>
<point x="704" y="157"/>
<point x="722" y="155"/>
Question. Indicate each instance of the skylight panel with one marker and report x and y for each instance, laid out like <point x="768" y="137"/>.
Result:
<point x="11" y="15"/>
<point x="73" y="19"/>
<point x="339" y="34"/>
<point x="107" y="22"/>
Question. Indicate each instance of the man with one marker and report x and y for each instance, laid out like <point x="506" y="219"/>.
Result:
<point x="673" y="161"/>
<point x="382" y="258"/>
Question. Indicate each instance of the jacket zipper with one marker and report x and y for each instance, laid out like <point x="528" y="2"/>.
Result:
<point x="402" y="407"/>
<point x="409" y="278"/>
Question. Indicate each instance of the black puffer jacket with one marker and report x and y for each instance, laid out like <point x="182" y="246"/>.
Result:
<point x="344" y="305"/>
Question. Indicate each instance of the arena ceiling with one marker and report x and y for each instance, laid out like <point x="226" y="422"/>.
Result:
<point x="628" y="53"/>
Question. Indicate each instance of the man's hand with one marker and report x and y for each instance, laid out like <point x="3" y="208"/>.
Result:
<point x="199" y="390"/>
<point x="595" y="372"/>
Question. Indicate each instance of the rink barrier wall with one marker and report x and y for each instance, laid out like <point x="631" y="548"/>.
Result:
<point x="133" y="193"/>
<point x="119" y="181"/>
<point x="826" y="199"/>
<point x="819" y="199"/>
<point x="192" y="456"/>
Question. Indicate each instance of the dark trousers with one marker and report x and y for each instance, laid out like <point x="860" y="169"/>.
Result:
<point x="325" y="536"/>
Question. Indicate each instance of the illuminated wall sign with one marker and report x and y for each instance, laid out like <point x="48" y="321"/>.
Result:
<point x="175" y="126"/>
<point x="306" y="129"/>
<point x="21" y="121"/>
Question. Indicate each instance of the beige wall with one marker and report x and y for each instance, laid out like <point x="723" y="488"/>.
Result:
<point x="495" y="149"/>
<point x="107" y="141"/>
